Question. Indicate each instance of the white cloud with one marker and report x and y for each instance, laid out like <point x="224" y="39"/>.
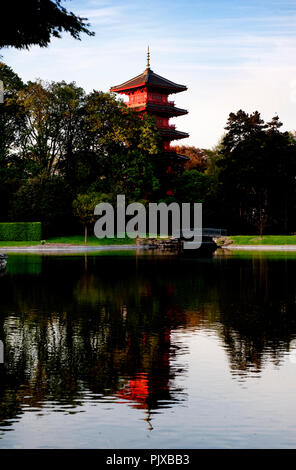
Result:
<point x="104" y="15"/>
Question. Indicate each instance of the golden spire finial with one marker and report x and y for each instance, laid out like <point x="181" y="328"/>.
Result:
<point x="148" y="58"/>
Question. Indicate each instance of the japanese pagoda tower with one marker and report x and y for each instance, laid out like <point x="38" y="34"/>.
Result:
<point x="148" y="94"/>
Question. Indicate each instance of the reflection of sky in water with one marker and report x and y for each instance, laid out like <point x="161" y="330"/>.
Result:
<point x="171" y="354"/>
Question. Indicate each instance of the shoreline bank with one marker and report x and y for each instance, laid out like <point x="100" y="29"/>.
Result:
<point x="260" y="247"/>
<point x="65" y="248"/>
<point x="72" y="248"/>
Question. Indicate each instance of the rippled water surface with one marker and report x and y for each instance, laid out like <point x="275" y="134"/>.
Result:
<point x="126" y="350"/>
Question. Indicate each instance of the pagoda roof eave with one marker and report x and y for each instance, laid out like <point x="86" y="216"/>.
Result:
<point x="149" y="79"/>
<point x="170" y="91"/>
<point x="172" y="134"/>
<point x="122" y="89"/>
<point x="161" y="109"/>
<point x="176" y="155"/>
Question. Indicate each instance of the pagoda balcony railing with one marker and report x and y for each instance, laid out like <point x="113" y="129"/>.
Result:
<point x="143" y="102"/>
<point x="163" y="102"/>
<point x="135" y="104"/>
<point x="170" y="126"/>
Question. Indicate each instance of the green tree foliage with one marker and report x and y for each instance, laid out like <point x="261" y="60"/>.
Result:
<point x="43" y="198"/>
<point x="53" y="113"/>
<point x="83" y="208"/>
<point x="10" y="113"/>
<point x="193" y="186"/>
<point x="257" y="170"/>
<point x="125" y="145"/>
<point x="93" y="141"/>
<point x="11" y="117"/>
<point x="35" y="22"/>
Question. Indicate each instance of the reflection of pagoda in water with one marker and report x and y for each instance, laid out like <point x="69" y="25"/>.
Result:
<point x="144" y="390"/>
<point x="149" y="94"/>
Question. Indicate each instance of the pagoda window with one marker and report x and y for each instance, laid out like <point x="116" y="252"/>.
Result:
<point x="162" y="122"/>
<point x="157" y="98"/>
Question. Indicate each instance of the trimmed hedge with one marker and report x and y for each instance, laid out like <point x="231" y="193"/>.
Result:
<point x="20" y="231"/>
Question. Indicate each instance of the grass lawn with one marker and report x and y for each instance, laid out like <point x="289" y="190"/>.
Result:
<point x="91" y="240"/>
<point x="74" y="240"/>
<point x="265" y="240"/>
<point x="15" y="243"/>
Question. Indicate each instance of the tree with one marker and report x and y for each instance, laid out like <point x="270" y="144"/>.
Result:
<point x="257" y="173"/>
<point x="197" y="156"/>
<point x="83" y="208"/>
<point x="134" y="170"/>
<point x="35" y="22"/>
<point x="114" y="150"/>
<point x="9" y="110"/>
<point x="193" y="186"/>
<point x="281" y="151"/>
<point x="11" y="117"/>
<point x="126" y="146"/>
<point x="44" y="199"/>
<point x="52" y="121"/>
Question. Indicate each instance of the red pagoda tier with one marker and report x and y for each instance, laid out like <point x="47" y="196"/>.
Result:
<point x="148" y="94"/>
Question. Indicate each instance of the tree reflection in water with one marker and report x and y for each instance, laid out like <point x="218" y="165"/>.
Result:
<point x="105" y="326"/>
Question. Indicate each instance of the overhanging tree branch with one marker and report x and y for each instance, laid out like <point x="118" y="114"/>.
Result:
<point x="35" y="22"/>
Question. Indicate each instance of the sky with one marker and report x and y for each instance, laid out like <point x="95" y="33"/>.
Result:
<point x="231" y="54"/>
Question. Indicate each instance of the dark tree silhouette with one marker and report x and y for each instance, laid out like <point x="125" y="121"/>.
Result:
<point x="257" y="171"/>
<point x="35" y="22"/>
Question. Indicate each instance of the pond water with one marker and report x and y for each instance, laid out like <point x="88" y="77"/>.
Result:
<point x="139" y="350"/>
